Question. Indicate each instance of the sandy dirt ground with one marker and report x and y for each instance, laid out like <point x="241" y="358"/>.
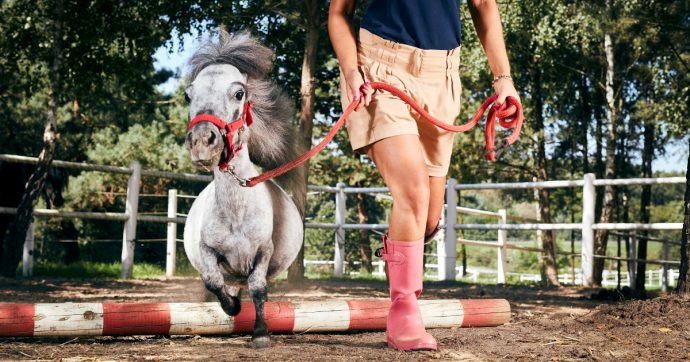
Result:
<point x="547" y="324"/>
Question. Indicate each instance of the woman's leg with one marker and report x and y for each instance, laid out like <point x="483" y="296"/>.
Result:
<point x="401" y="164"/>
<point x="437" y="190"/>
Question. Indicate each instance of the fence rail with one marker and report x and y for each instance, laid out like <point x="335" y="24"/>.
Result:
<point x="111" y="216"/>
<point x="109" y="169"/>
<point x="446" y="243"/>
<point x="47" y="213"/>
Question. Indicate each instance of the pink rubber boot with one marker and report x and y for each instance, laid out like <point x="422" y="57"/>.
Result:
<point x="404" y="326"/>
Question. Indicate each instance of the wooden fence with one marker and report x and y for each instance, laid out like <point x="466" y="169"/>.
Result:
<point x="446" y="244"/>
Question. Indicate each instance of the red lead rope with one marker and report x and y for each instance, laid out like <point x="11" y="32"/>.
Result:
<point x="509" y="115"/>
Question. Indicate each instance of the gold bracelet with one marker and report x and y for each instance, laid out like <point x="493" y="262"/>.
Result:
<point x="499" y="77"/>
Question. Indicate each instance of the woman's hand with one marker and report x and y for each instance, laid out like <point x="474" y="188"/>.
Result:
<point x="356" y="85"/>
<point x="342" y="36"/>
<point x="504" y="88"/>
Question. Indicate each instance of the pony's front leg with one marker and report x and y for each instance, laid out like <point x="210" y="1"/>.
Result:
<point x="213" y="279"/>
<point x="259" y="292"/>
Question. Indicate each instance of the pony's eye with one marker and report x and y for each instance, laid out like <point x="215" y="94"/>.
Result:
<point x="239" y="95"/>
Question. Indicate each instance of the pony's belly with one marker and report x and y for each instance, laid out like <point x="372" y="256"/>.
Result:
<point x="194" y="224"/>
<point x="288" y="230"/>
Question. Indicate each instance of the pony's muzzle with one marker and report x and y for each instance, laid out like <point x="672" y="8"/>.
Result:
<point x="205" y="145"/>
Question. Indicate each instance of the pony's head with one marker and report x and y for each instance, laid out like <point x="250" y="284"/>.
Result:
<point x="218" y="110"/>
<point x="226" y="74"/>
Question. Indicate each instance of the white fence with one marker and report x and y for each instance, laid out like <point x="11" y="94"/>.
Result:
<point x="446" y="246"/>
<point x="130" y="215"/>
<point x="654" y="278"/>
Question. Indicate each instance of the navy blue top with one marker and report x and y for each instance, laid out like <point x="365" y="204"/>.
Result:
<point x="425" y="24"/>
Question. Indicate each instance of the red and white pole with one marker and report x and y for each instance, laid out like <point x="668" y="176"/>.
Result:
<point x="110" y="319"/>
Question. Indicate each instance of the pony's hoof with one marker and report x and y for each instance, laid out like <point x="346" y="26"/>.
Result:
<point x="261" y="342"/>
<point x="236" y="306"/>
<point x="232" y="309"/>
<point x="231" y="305"/>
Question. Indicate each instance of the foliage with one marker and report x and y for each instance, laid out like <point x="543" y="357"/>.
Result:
<point x="107" y="85"/>
<point x="107" y="63"/>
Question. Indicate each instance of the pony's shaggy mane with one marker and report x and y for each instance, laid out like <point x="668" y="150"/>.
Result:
<point x="273" y="139"/>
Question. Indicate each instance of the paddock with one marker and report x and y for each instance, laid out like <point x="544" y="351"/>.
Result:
<point x="566" y="323"/>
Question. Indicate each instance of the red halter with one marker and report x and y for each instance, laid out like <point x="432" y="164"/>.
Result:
<point x="227" y="129"/>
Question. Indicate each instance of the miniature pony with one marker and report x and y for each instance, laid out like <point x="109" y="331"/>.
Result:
<point x="235" y="234"/>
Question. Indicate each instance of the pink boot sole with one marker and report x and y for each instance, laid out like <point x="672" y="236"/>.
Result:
<point x="413" y="346"/>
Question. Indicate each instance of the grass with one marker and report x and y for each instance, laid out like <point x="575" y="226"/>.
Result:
<point x="98" y="270"/>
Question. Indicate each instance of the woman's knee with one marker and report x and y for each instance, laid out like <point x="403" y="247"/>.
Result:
<point x="413" y="196"/>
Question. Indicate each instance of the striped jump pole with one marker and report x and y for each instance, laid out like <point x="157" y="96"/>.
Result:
<point x="113" y="319"/>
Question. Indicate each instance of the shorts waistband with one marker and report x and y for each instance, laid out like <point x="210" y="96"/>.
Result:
<point x="402" y="56"/>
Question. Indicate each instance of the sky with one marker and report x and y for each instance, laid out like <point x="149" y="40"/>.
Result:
<point x="175" y="57"/>
<point x="676" y="158"/>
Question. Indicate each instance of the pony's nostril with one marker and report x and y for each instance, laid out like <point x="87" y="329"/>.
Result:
<point x="212" y="139"/>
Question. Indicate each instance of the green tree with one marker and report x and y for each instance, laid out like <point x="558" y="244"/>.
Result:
<point x="97" y="57"/>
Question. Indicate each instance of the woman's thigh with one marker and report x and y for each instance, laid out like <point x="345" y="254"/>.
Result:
<point x="400" y="160"/>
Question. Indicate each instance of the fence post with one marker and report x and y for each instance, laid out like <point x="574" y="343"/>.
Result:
<point x="664" y="266"/>
<point x="632" y="265"/>
<point x="587" y="260"/>
<point x="445" y="248"/>
<point x="129" y="235"/>
<point x="171" y="249"/>
<point x="651" y="277"/>
<point x="440" y="241"/>
<point x="673" y="278"/>
<point x="339" y="257"/>
<point x="502" y="265"/>
<point x="28" y="254"/>
<point x="540" y="234"/>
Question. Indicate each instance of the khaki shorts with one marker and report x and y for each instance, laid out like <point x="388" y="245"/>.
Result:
<point x="430" y="77"/>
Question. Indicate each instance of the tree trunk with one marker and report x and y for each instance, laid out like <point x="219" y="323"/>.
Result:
<point x="542" y="175"/>
<point x="306" y="118"/>
<point x="647" y="157"/>
<point x="364" y="244"/>
<point x="684" y="278"/>
<point x="14" y="241"/>
<point x="586" y="116"/>
<point x="601" y="239"/>
<point x="598" y="160"/>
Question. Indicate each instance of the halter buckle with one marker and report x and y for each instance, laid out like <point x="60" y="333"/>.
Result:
<point x="241" y="181"/>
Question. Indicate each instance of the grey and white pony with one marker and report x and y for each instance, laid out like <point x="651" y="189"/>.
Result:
<point x="234" y="234"/>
